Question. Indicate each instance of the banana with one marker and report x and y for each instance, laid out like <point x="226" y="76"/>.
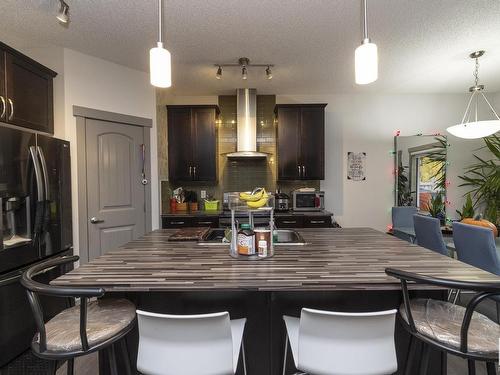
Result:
<point x="260" y="203"/>
<point x="253" y="196"/>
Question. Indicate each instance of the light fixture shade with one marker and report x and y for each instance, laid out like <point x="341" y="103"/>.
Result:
<point x="475" y="129"/>
<point x="160" y="66"/>
<point x="366" y="63"/>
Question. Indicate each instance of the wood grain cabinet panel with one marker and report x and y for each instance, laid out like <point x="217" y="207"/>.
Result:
<point x="289" y="222"/>
<point x="301" y="141"/>
<point x="26" y="88"/>
<point x="192" y="142"/>
<point x="317" y="221"/>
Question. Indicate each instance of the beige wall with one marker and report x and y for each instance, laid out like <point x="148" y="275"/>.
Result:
<point x="99" y="84"/>
<point x="366" y="123"/>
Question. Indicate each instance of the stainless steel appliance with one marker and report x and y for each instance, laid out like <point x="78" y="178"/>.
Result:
<point x="35" y="224"/>
<point x="308" y="200"/>
<point x="282" y="202"/>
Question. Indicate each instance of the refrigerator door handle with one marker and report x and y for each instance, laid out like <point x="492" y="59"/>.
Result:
<point x="45" y="173"/>
<point x="38" y="174"/>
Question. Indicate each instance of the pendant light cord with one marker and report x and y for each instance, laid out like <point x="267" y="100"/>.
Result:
<point x="160" y="13"/>
<point x="365" y="21"/>
<point x="476" y="73"/>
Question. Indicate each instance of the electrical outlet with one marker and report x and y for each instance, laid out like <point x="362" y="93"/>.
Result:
<point x="203" y="194"/>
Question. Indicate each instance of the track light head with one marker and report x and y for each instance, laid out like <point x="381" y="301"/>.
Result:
<point x="244" y="73"/>
<point x="269" y="74"/>
<point x="63" y="14"/>
<point x="219" y="73"/>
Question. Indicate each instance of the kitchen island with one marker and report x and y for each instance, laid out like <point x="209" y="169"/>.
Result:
<point x="340" y="269"/>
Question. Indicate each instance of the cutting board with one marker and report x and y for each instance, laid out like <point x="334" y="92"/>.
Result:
<point x="189" y="234"/>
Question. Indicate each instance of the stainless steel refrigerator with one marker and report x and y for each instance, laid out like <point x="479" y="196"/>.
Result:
<point x="35" y="224"/>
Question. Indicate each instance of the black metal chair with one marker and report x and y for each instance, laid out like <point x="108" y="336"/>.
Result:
<point x="449" y="328"/>
<point x="90" y="326"/>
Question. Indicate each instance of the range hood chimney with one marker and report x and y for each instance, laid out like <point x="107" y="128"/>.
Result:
<point x="247" y="126"/>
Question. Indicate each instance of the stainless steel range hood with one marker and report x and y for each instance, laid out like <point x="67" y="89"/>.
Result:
<point x="247" y="126"/>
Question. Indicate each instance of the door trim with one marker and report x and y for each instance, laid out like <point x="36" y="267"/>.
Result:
<point x="83" y="114"/>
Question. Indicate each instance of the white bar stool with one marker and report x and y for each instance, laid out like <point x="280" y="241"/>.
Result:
<point x="332" y="343"/>
<point x="189" y="344"/>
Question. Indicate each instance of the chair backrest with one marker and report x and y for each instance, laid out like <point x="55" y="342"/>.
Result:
<point x="402" y="217"/>
<point x="184" y="344"/>
<point x="428" y="232"/>
<point x="476" y="246"/>
<point x="34" y="289"/>
<point x="347" y="343"/>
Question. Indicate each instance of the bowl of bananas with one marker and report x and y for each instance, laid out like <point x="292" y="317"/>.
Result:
<point x="256" y="198"/>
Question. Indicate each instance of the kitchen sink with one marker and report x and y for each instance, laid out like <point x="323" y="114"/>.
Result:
<point x="282" y="236"/>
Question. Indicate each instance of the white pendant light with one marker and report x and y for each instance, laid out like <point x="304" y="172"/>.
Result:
<point x="160" y="65"/>
<point x="366" y="56"/>
<point x="471" y="127"/>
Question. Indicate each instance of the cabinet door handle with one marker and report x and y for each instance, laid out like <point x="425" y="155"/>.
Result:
<point x="194" y="172"/>
<point x="177" y="222"/>
<point x="298" y="167"/>
<point x="11" y="103"/>
<point x="289" y="221"/>
<point x="190" y="171"/>
<point x="204" y="222"/>
<point x="317" y="222"/>
<point x="303" y="171"/>
<point x="4" y="106"/>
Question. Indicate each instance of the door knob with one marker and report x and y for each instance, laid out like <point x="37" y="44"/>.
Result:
<point x="95" y="220"/>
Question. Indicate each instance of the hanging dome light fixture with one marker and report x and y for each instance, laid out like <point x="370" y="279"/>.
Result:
<point x="160" y="65"/>
<point x="471" y="127"/>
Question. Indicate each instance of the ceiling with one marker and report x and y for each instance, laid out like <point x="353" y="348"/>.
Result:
<point x="423" y="44"/>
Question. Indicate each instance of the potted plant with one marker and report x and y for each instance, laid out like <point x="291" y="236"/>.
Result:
<point x="437" y="209"/>
<point x="483" y="178"/>
<point x="467" y="209"/>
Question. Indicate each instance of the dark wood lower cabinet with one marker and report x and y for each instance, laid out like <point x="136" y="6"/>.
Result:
<point x="289" y="222"/>
<point x="189" y="221"/>
<point x="317" y="221"/>
<point x="282" y="222"/>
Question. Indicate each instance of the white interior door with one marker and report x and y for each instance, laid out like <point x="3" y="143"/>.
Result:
<point x="115" y="194"/>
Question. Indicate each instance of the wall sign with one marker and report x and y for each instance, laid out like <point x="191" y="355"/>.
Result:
<point x="356" y="166"/>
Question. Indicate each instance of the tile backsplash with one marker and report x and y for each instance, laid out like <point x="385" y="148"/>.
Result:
<point x="240" y="175"/>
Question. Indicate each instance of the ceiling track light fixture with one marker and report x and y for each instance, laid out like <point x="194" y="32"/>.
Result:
<point x="471" y="127"/>
<point x="366" y="55"/>
<point x="160" y="63"/>
<point x="269" y="74"/>
<point x="244" y="64"/>
<point x="63" y="14"/>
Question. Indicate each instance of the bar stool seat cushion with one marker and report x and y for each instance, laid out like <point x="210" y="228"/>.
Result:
<point x="106" y="318"/>
<point x="441" y="321"/>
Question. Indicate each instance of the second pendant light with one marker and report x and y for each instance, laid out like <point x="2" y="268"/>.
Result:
<point x="366" y="56"/>
<point x="160" y="64"/>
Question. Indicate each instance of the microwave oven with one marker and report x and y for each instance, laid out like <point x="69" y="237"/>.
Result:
<point x="308" y="201"/>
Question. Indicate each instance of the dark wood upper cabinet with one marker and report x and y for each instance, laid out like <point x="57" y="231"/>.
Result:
<point x="192" y="142"/>
<point x="3" y="97"/>
<point x="301" y="141"/>
<point x="27" y="89"/>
